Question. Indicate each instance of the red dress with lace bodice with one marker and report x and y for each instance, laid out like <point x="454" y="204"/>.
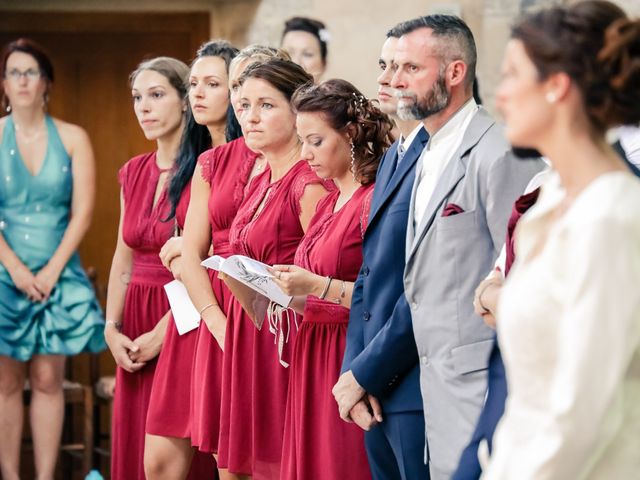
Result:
<point x="254" y="380"/>
<point x="226" y="169"/>
<point x="317" y="442"/>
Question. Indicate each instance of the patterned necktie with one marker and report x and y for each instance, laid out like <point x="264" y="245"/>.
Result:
<point x="400" y="156"/>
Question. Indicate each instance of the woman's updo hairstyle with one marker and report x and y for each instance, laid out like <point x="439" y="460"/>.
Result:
<point x="598" y="47"/>
<point x="309" y="25"/>
<point x="258" y="53"/>
<point x="344" y="108"/>
<point x="284" y="75"/>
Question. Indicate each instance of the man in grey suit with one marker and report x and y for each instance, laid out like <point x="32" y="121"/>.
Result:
<point x="466" y="183"/>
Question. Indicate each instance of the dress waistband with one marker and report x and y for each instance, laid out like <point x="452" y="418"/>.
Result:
<point x="150" y="273"/>
<point x="222" y="248"/>
<point x="323" y="311"/>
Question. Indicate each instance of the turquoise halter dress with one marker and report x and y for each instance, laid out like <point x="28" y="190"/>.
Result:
<point x="34" y="214"/>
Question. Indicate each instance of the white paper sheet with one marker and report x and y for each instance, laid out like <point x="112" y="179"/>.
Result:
<point x="184" y="312"/>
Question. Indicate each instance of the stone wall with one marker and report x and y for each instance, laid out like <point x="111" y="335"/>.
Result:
<point x="357" y="27"/>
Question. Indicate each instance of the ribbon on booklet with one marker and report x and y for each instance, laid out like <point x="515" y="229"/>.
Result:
<point x="279" y="317"/>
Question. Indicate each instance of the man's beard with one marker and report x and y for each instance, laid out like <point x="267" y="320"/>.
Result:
<point x="434" y="101"/>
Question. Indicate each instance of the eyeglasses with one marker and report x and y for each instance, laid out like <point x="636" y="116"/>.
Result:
<point x="16" y="74"/>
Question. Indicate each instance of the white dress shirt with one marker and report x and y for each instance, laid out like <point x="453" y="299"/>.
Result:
<point x="405" y="143"/>
<point x="436" y="155"/>
<point x="569" y="331"/>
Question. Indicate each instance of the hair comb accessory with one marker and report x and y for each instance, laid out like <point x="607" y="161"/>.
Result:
<point x="358" y="104"/>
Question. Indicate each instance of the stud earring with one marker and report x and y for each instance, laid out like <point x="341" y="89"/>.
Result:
<point x="551" y="97"/>
<point x="8" y="109"/>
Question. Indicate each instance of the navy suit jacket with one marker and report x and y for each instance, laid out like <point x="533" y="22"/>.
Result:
<point x="381" y="350"/>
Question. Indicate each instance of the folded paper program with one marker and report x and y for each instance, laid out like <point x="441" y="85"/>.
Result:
<point x="252" y="273"/>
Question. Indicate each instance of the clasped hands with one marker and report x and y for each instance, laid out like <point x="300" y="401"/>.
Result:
<point x="486" y="297"/>
<point x="132" y="355"/>
<point x="355" y="404"/>
<point x="36" y="287"/>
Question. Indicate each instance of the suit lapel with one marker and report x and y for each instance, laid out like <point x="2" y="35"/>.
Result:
<point x="395" y="177"/>
<point x="453" y="173"/>
<point x="383" y="176"/>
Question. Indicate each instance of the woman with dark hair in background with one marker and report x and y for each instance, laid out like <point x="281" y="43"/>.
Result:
<point x="568" y="315"/>
<point x="305" y="40"/>
<point x="343" y="138"/>
<point x="168" y="450"/>
<point x="268" y="227"/>
<point x="137" y="307"/>
<point x="48" y="308"/>
<point x="218" y="187"/>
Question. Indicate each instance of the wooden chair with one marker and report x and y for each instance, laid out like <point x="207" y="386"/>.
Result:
<point x="103" y="401"/>
<point x="103" y="398"/>
<point x="75" y="394"/>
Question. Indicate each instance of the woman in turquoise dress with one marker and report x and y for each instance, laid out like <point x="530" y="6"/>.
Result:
<point x="48" y="309"/>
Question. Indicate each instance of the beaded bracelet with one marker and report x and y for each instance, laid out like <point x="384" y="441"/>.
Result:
<point x="343" y="291"/>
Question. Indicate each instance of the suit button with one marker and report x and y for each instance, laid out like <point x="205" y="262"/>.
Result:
<point x="365" y="271"/>
<point x="366" y="316"/>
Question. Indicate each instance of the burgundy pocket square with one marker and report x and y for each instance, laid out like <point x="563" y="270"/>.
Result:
<point x="451" y="209"/>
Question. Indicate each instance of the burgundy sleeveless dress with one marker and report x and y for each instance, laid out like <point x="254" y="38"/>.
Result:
<point x="317" y="442"/>
<point x="255" y="383"/>
<point x="226" y="169"/>
<point x="145" y="304"/>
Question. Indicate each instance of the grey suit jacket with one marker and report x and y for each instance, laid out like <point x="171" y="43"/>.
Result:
<point x="446" y="259"/>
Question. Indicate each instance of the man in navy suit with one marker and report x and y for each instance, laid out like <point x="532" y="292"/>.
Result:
<point x="380" y="368"/>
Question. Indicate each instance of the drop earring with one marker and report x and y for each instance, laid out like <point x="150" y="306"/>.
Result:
<point x="353" y="159"/>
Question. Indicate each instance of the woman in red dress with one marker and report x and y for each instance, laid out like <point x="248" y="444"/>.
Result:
<point x="137" y="307"/>
<point x="344" y="137"/>
<point x="269" y="226"/>
<point x="168" y="450"/>
<point x="218" y="188"/>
